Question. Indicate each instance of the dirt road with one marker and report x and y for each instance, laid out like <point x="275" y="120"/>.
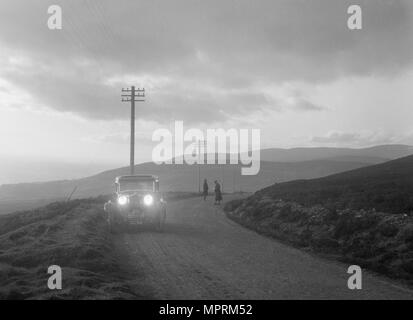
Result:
<point x="204" y="255"/>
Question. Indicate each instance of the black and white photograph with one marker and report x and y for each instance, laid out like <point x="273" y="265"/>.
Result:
<point x="206" y="155"/>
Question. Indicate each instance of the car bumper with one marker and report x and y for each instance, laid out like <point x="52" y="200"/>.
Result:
<point x="139" y="215"/>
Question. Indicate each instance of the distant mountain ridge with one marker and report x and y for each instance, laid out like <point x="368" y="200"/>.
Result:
<point x="184" y="177"/>
<point x="376" y="153"/>
<point x="177" y="177"/>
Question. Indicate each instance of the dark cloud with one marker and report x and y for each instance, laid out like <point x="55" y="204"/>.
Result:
<point x="214" y="54"/>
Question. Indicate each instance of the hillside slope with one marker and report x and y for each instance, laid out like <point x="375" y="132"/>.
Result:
<point x="386" y="187"/>
<point x="363" y="216"/>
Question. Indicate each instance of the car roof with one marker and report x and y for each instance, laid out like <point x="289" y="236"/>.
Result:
<point x="136" y="177"/>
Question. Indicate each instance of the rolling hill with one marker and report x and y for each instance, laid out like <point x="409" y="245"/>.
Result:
<point x="387" y="187"/>
<point x="177" y="178"/>
<point x="285" y="165"/>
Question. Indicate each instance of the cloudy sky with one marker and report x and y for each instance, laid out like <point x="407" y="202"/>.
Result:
<point x="291" y="68"/>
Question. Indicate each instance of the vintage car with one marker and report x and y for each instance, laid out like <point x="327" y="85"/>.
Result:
<point x="137" y="201"/>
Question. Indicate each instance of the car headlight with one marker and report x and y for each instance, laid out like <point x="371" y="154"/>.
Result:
<point x="148" y="200"/>
<point x="122" y="200"/>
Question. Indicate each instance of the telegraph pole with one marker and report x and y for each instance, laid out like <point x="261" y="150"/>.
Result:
<point x="233" y="178"/>
<point x="132" y="95"/>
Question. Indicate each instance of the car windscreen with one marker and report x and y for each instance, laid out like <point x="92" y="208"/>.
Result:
<point x="136" y="185"/>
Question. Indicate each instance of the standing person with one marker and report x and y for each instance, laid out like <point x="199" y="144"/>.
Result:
<point x="205" y="193"/>
<point x="218" y="194"/>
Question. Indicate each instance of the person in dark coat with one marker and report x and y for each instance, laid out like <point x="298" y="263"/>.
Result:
<point x="205" y="188"/>
<point x="218" y="194"/>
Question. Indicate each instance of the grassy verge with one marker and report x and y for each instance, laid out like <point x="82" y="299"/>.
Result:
<point x="379" y="241"/>
<point x="70" y="234"/>
<point x="74" y="236"/>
